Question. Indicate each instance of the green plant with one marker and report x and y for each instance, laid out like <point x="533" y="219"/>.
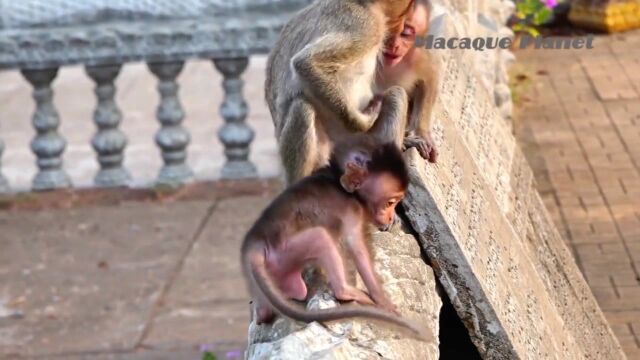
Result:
<point x="207" y="355"/>
<point x="532" y="13"/>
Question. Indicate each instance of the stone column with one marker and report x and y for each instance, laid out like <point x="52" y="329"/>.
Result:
<point x="109" y="142"/>
<point x="236" y="135"/>
<point x="172" y="137"/>
<point x="48" y="145"/>
<point x="606" y="15"/>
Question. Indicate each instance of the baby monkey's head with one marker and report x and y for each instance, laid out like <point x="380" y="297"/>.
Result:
<point x="416" y="23"/>
<point x="377" y="174"/>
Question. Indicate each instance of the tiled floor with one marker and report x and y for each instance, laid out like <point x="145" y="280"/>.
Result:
<point x="579" y="123"/>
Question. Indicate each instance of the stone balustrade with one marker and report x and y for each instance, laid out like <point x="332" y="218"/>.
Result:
<point x="39" y="37"/>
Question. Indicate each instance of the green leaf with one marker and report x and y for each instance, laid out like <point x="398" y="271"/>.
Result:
<point x="209" y="356"/>
<point x="525" y="28"/>
<point x="525" y="8"/>
<point x="533" y="31"/>
<point x="542" y="16"/>
<point x="531" y="5"/>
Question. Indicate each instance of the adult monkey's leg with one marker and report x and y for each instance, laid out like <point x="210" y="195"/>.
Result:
<point x="298" y="141"/>
<point x="391" y="124"/>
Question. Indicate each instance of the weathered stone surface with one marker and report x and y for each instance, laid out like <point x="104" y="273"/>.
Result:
<point x="86" y="280"/>
<point x="410" y="284"/>
<point x="44" y="34"/>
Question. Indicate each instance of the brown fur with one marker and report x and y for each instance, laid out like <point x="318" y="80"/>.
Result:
<point x="418" y="76"/>
<point x="316" y="217"/>
<point x="320" y="78"/>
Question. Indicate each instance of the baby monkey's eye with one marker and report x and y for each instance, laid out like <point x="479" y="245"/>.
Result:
<point x="408" y="32"/>
<point x="390" y="203"/>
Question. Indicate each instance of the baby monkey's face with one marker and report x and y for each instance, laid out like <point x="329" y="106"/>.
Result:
<point x="381" y="193"/>
<point x="398" y="46"/>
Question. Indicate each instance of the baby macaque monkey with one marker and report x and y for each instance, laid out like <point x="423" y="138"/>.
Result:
<point x="412" y="68"/>
<point x="312" y="221"/>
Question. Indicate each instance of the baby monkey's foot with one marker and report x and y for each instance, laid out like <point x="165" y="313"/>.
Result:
<point x="425" y="145"/>
<point x="383" y="302"/>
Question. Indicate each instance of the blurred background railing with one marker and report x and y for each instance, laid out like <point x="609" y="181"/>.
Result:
<point x="39" y="37"/>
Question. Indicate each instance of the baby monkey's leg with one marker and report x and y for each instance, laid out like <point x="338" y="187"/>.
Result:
<point x="318" y="246"/>
<point x="264" y="311"/>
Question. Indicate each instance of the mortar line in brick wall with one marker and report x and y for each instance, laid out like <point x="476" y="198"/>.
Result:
<point x="622" y="140"/>
<point x="84" y="354"/>
<point x="567" y="230"/>
<point x="595" y="178"/>
<point x="624" y="70"/>
<point x="636" y="337"/>
<point x="617" y="311"/>
<point x="615" y="288"/>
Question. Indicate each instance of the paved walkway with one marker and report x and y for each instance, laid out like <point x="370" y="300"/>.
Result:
<point x="580" y="126"/>
<point x="142" y="276"/>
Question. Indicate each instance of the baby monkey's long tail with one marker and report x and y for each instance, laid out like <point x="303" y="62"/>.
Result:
<point x="254" y="261"/>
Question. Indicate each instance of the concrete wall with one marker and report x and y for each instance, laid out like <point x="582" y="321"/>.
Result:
<point x="483" y="225"/>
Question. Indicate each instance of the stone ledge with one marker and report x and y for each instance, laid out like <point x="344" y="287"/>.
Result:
<point x="160" y="41"/>
<point x="26" y="14"/>
<point x="72" y="198"/>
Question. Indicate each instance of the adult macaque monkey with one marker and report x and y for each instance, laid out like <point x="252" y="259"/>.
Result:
<point x="321" y="76"/>
<point x="412" y="68"/>
<point x="317" y="217"/>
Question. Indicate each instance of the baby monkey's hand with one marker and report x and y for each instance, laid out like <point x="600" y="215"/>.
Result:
<point x="424" y="144"/>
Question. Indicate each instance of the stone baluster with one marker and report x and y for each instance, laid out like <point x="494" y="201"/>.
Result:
<point x="48" y="145"/>
<point x="172" y="137"/>
<point x="235" y="134"/>
<point x="4" y="184"/>
<point x="109" y="142"/>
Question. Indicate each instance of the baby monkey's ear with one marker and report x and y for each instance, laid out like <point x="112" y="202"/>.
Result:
<point x="355" y="171"/>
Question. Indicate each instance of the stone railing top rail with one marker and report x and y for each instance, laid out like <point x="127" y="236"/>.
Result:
<point x="37" y="34"/>
<point x="47" y="13"/>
